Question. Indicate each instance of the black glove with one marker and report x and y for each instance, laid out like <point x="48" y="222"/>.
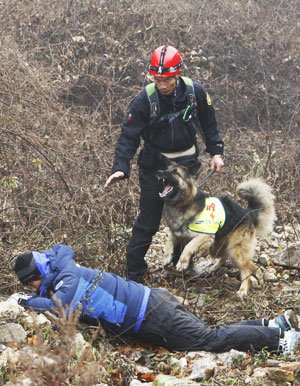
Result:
<point x="23" y="301"/>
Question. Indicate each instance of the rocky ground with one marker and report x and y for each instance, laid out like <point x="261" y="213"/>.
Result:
<point x="32" y="347"/>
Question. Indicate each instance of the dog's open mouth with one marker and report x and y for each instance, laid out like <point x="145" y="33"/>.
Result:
<point x="167" y="190"/>
<point x="170" y="185"/>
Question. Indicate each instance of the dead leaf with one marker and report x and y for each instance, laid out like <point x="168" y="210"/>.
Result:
<point x="148" y="377"/>
<point x="32" y="341"/>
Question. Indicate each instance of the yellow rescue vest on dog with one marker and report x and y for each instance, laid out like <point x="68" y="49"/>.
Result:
<point x="211" y="218"/>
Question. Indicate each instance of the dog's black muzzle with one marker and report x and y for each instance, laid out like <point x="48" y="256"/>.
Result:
<point x="161" y="174"/>
<point x="164" y="176"/>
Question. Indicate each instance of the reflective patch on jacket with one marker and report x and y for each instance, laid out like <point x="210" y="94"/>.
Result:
<point x="58" y="285"/>
<point x="211" y="219"/>
<point x="95" y="302"/>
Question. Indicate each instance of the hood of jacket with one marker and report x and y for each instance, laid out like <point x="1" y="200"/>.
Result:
<point x="59" y="256"/>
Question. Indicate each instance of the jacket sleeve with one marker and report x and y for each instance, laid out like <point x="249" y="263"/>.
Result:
<point x="64" y="290"/>
<point x="208" y="122"/>
<point x="131" y="133"/>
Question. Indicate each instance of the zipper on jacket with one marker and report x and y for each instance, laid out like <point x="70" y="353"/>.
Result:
<point x="172" y="126"/>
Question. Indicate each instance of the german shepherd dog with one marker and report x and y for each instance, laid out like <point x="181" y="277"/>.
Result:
<point x="234" y="235"/>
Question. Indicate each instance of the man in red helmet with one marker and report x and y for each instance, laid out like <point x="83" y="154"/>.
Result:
<point x="167" y="115"/>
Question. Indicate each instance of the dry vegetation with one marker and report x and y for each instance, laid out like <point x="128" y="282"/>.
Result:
<point x="68" y="71"/>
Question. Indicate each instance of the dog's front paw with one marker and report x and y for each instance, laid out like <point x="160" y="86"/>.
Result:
<point x="242" y="294"/>
<point x="243" y="291"/>
<point x="182" y="264"/>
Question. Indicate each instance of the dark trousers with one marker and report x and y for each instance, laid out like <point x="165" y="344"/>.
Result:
<point x="167" y="323"/>
<point x="146" y="224"/>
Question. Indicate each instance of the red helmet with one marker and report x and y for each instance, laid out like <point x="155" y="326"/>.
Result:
<point x="165" y="61"/>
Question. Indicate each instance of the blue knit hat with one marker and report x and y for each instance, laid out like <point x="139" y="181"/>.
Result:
<point x="26" y="269"/>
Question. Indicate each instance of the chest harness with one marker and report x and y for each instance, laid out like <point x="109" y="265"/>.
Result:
<point x="187" y="113"/>
<point x="211" y="218"/>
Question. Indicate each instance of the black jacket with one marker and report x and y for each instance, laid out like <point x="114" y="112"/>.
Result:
<point x="164" y="136"/>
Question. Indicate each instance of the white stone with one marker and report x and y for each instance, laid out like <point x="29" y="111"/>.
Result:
<point x="81" y="346"/>
<point x="289" y="257"/>
<point x="270" y="274"/>
<point x="287" y="288"/>
<point x="37" y="320"/>
<point x="204" y="264"/>
<point x="260" y="372"/>
<point x="174" y="362"/>
<point x="277" y="235"/>
<point x="203" y="368"/>
<point x="274" y="244"/>
<point x="191" y="355"/>
<point x="9" y="355"/>
<point x="105" y="384"/>
<point x="11" y="308"/>
<point x="21" y="382"/>
<point x="227" y="357"/>
<point x="201" y="354"/>
<point x="183" y="362"/>
<point x="143" y="370"/>
<point x="136" y="382"/>
<point x="36" y="359"/>
<point x="263" y="259"/>
<point x="11" y="333"/>
<point x="168" y="380"/>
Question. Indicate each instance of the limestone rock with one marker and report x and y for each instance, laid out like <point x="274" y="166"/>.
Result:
<point x="12" y="333"/>
<point x="10" y="308"/>
<point x="37" y="319"/>
<point x="168" y="380"/>
<point x="280" y="376"/>
<point x="289" y="257"/>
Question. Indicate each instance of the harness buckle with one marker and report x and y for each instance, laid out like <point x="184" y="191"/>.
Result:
<point x="189" y="111"/>
<point x="188" y="114"/>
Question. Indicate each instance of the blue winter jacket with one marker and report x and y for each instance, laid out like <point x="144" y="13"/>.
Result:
<point x="118" y="304"/>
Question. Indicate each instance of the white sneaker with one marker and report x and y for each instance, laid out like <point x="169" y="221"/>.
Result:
<point x="290" y="341"/>
<point x="287" y="321"/>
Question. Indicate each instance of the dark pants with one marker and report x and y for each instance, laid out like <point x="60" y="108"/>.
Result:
<point x="148" y="220"/>
<point x="146" y="224"/>
<point x="167" y="323"/>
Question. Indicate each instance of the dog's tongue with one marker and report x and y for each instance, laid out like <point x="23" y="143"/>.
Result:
<point x="166" y="190"/>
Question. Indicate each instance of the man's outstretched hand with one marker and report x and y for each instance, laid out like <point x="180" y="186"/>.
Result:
<point x="116" y="176"/>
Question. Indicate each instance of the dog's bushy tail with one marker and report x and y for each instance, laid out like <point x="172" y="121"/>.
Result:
<point x="261" y="201"/>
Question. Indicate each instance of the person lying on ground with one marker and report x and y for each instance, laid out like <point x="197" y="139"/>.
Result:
<point x="129" y="308"/>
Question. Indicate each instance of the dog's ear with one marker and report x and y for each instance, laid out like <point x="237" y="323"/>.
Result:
<point x="170" y="162"/>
